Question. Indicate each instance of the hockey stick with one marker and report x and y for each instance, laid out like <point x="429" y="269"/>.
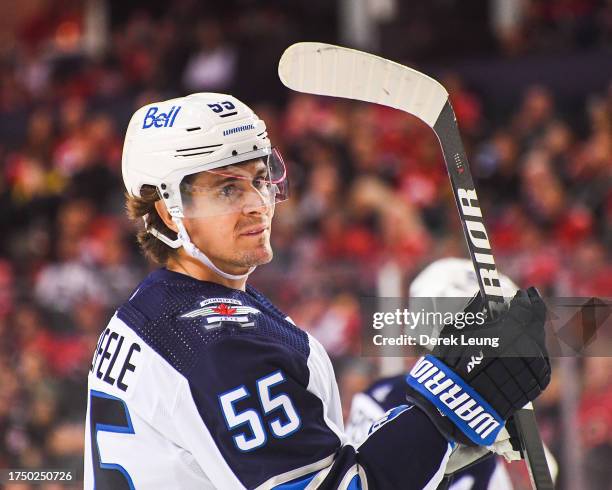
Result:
<point x="335" y="71"/>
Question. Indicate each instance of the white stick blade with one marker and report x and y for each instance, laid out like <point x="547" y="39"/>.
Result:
<point x="325" y="69"/>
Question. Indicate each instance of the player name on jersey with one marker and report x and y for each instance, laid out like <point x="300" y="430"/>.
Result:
<point x="115" y="359"/>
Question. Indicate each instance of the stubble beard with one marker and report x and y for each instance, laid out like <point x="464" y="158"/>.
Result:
<point x="253" y="258"/>
<point x="257" y="255"/>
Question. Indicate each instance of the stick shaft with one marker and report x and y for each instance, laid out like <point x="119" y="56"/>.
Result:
<point x="478" y="243"/>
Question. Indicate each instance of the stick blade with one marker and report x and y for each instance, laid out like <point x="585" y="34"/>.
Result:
<point x="325" y="69"/>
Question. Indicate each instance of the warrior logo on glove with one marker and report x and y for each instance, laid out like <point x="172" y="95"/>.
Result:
<point x="476" y="398"/>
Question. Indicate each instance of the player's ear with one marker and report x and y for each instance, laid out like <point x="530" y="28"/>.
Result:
<point x="160" y="207"/>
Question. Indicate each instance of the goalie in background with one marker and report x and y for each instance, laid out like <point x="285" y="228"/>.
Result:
<point x="444" y="285"/>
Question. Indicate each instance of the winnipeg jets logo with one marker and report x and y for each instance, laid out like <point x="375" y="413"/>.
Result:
<point x="219" y="310"/>
<point x="475" y="360"/>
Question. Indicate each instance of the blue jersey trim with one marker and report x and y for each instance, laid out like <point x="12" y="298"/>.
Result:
<point x="355" y="483"/>
<point x="129" y="429"/>
<point x="297" y="484"/>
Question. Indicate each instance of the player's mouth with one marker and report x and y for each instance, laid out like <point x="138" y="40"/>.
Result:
<point x="255" y="231"/>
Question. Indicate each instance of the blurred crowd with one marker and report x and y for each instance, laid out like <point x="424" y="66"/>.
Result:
<point x="369" y="187"/>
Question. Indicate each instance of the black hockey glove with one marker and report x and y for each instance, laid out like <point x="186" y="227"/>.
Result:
<point x="469" y="389"/>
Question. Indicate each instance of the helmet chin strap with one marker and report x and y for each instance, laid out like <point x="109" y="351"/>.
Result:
<point x="197" y="254"/>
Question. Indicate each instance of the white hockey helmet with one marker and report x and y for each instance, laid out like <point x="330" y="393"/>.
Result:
<point x="446" y="285"/>
<point x="453" y="277"/>
<point x="170" y="140"/>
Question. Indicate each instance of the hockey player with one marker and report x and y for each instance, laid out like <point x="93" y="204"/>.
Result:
<point x="198" y="381"/>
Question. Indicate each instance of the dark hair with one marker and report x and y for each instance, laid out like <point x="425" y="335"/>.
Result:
<point x="137" y="207"/>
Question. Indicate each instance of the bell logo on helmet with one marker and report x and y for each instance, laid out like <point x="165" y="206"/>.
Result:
<point x="161" y="120"/>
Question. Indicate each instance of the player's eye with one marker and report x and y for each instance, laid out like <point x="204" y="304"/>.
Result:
<point x="228" y="190"/>
<point x="259" y="183"/>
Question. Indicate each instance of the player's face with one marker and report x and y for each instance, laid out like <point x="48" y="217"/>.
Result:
<point x="240" y="237"/>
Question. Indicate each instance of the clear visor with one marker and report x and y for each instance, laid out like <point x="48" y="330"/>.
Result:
<point x="256" y="184"/>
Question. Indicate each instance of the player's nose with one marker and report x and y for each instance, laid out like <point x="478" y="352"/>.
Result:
<point x="255" y="202"/>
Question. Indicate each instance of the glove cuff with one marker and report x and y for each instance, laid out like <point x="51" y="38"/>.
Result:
<point x="456" y="400"/>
